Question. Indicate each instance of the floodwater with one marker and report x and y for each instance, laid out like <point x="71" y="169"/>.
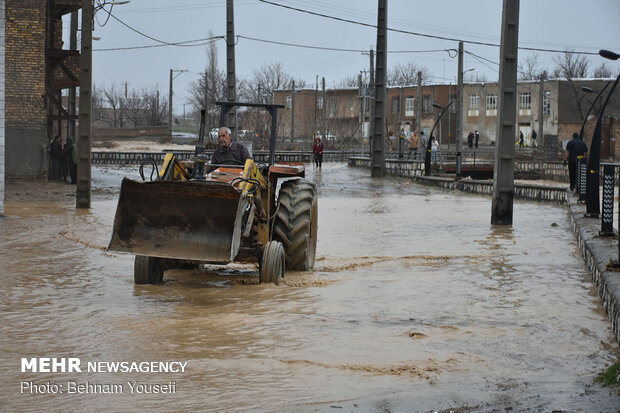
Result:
<point x="416" y="303"/>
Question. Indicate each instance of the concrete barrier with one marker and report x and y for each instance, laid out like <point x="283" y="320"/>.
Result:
<point x="415" y="171"/>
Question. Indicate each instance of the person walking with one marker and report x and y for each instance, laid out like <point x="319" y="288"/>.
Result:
<point x="56" y="158"/>
<point x="470" y="139"/>
<point x="317" y="150"/>
<point x="70" y="159"/>
<point x="476" y="138"/>
<point x="575" y="149"/>
<point x="434" y="149"/>
<point x="414" y="143"/>
<point x="521" y="139"/>
<point x="534" y="135"/>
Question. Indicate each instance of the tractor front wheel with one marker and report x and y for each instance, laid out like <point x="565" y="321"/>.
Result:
<point x="296" y="223"/>
<point x="150" y="270"/>
<point x="272" y="263"/>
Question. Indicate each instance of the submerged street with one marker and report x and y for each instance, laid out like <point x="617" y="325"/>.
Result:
<point x="416" y="303"/>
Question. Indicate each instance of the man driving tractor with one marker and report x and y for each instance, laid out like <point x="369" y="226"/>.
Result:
<point x="229" y="152"/>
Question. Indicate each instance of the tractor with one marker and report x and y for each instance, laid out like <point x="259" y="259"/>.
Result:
<point x="194" y="212"/>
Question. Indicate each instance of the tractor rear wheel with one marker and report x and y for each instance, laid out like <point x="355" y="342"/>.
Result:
<point x="272" y="263"/>
<point x="296" y="223"/>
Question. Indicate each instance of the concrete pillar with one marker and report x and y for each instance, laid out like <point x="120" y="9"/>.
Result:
<point x="503" y="172"/>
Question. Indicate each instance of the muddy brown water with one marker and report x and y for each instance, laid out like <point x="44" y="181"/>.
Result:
<point x="416" y="303"/>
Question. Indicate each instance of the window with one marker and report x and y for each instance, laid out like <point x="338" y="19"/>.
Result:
<point x="547" y="103"/>
<point x="452" y="108"/>
<point x="332" y="107"/>
<point x="395" y="105"/>
<point x="427" y="107"/>
<point x="525" y="102"/>
<point x="409" y="106"/>
<point x="492" y="104"/>
<point x="319" y="103"/>
<point x="351" y="103"/>
<point x="289" y="101"/>
<point x="474" y="105"/>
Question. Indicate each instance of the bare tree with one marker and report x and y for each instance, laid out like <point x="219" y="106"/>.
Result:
<point x="135" y="108"/>
<point x="112" y="98"/>
<point x="530" y="70"/>
<point x="98" y="106"/>
<point x="406" y="74"/>
<point x="602" y="71"/>
<point x="347" y="82"/>
<point x="209" y="88"/>
<point x="571" y="66"/>
<point x="475" y="77"/>
<point x="155" y="107"/>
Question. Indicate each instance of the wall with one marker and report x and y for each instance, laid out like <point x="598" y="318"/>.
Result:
<point x="2" y="100"/>
<point x="25" y="115"/>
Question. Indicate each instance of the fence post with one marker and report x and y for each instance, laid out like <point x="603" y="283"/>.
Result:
<point x="607" y="217"/>
<point x="582" y="167"/>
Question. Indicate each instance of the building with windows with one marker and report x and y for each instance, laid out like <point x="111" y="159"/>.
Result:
<point x="347" y="112"/>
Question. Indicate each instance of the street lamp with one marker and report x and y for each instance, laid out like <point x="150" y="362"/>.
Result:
<point x="598" y="95"/>
<point x="594" y="158"/>
<point x="427" y="158"/>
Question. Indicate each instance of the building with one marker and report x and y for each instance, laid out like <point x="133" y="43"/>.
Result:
<point x="38" y="66"/>
<point x="347" y="112"/>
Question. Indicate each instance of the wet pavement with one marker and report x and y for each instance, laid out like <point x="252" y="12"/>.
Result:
<point x="416" y="303"/>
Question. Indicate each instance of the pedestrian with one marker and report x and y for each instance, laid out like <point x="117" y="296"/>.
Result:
<point x="534" y="144"/>
<point x="521" y="139"/>
<point x="56" y="158"/>
<point x="477" y="138"/>
<point x="423" y="140"/>
<point x="434" y="149"/>
<point x="575" y="148"/>
<point x="414" y="143"/>
<point x="470" y="139"/>
<point x="69" y="151"/>
<point x="317" y="150"/>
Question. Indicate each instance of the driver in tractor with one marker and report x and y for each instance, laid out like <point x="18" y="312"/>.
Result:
<point x="229" y="152"/>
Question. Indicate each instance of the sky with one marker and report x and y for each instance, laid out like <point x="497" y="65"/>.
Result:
<point x="548" y="24"/>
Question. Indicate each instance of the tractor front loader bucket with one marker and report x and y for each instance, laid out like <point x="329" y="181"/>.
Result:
<point x="177" y="219"/>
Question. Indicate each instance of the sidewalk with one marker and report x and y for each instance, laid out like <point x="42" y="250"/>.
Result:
<point x="597" y="252"/>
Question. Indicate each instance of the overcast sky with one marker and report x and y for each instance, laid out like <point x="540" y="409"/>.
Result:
<point x="548" y="24"/>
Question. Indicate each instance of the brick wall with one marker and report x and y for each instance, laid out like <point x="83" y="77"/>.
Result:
<point x="26" y="118"/>
<point x="2" y="106"/>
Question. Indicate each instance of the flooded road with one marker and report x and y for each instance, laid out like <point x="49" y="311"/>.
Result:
<point x="416" y="303"/>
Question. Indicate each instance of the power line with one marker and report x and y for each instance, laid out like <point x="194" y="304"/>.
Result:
<point x="205" y="41"/>
<point x="417" y="33"/>
<point x="335" y="48"/>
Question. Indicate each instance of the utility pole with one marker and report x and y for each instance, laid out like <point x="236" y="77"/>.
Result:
<point x="378" y="150"/>
<point x="503" y="175"/>
<point x="82" y="195"/>
<point x="170" y="107"/>
<point x="371" y="89"/>
<point x="361" y="115"/>
<point x="459" y="114"/>
<point x="541" y="99"/>
<point x="231" y="91"/>
<point x="418" y="116"/>
<point x="324" y="129"/>
<point x="293" y="112"/>
<point x="72" y="91"/>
